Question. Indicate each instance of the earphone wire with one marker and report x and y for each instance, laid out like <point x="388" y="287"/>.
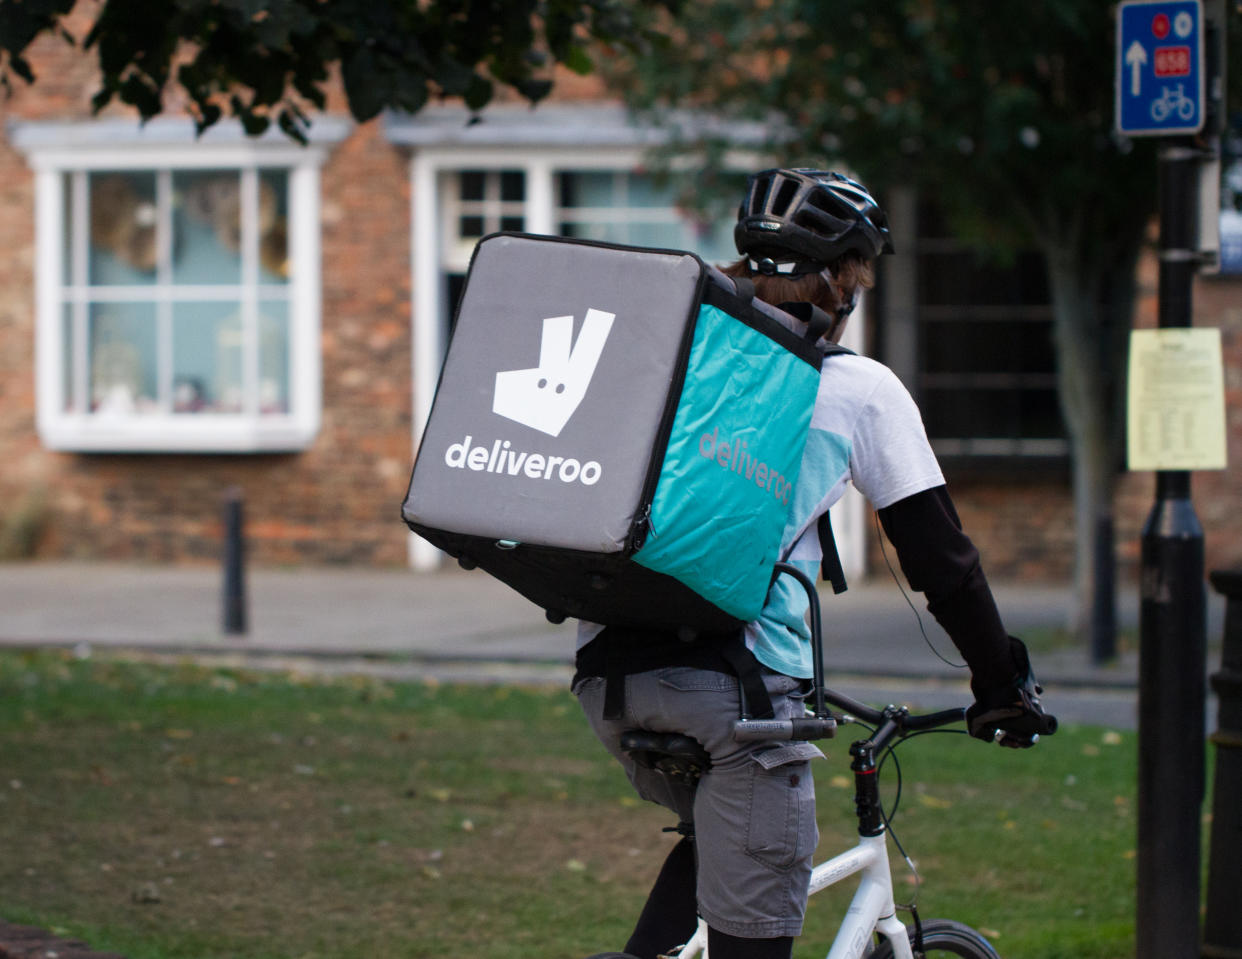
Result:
<point x="904" y="595"/>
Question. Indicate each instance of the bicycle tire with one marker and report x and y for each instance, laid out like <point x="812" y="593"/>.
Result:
<point x="943" y="937"/>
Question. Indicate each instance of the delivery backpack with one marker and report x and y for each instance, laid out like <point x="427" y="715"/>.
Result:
<point x="616" y="433"/>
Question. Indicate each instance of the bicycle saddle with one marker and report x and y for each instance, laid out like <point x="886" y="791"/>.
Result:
<point x="676" y="755"/>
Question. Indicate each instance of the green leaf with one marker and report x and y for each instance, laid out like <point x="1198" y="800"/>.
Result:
<point x="478" y="92"/>
<point x="138" y="91"/>
<point x="578" y="60"/>
<point x="365" y="94"/>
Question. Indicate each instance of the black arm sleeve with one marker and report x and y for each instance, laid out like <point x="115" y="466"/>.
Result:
<point x="940" y="561"/>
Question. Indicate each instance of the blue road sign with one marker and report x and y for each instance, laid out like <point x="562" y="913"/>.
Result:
<point x="1160" y="70"/>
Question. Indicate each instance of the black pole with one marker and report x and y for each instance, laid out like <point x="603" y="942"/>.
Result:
<point x="1222" y="929"/>
<point x="1104" y="597"/>
<point x="234" y="564"/>
<point x="1172" y="634"/>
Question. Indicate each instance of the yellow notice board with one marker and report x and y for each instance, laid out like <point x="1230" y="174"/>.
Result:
<point x="1175" y="417"/>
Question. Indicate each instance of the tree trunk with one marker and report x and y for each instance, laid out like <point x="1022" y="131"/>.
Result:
<point x="1092" y="311"/>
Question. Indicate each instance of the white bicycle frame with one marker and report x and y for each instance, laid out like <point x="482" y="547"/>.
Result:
<point x="871" y="910"/>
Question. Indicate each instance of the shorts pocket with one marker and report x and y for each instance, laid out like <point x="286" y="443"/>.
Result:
<point x="586" y="682"/>
<point x="782" y="827"/>
<point x="690" y="679"/>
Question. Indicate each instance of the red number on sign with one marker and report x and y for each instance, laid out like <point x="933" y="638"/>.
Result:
<point x="1172" y="61"/>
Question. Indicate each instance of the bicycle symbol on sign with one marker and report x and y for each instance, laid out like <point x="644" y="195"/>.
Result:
<point x="1170" y="101"/>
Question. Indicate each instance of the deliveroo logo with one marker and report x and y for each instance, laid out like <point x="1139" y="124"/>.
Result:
<point x="545" y="397"/>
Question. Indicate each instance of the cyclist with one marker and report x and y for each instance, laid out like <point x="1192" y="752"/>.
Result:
<point x="804" y="236"/>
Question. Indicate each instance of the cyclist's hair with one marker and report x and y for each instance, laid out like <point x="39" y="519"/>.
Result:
<point x="850" y="271"/>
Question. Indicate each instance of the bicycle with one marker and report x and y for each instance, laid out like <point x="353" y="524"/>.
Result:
<point x="872" y="913"/>
<point x="1170" y="100"/>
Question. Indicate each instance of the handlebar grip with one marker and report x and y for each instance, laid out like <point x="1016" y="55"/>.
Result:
<point x="764" y="730"/>
<point x="1049" y="725"/>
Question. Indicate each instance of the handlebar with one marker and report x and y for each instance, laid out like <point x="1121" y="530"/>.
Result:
<point x="889" y="722"/>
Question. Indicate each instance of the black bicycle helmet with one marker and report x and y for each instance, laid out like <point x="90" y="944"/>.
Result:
<point x="800" y="221"/>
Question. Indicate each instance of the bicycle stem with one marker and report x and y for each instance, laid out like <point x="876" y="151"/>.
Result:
<point x="867" y="803"/>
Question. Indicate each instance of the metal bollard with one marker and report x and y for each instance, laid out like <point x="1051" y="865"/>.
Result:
<point x="1222" y="930"/>
<point x="234" y="564"/>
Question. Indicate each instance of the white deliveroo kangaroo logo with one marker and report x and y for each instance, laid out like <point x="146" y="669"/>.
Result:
<point x="545" y="397"/>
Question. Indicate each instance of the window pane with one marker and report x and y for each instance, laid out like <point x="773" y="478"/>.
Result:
<point x="470" y="227"/>
<point x="643" y="192"/>
<point x="68" y="370"/>
<point x="472" y="184"/>
<point x="604" y="232"/>
<point x="512" y="186"/>
<point x="123" y="354"/>
<point x="587" y="190"/>
<point x="206" y="227"/>
<point x="66" y="228"/>
<point x="662" y="235"/>
<point x="715" y="242"/>
<point x="989" y="346"/>
<point x="955" y="276"/>
<point x="274" y="226"/>
<point x="123" y="217"/>
<point x="1041" y="414"/>
<point x="515" y="223"/>
<point x="273" y="357"/>
<point x="962" y="412"/>
<point x="208" y="365"/>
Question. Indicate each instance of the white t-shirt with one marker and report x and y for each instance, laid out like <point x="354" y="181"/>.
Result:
<point x="865" y="430"/>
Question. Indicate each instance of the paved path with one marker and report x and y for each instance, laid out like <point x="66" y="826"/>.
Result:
<point x="458" y="625"/>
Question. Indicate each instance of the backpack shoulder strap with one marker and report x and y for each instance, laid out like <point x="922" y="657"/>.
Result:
<point x="830" y="565"/>
<point x="818" y="323"/>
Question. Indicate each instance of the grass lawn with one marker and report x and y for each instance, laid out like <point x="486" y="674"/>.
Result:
<point x="190" y="812"/>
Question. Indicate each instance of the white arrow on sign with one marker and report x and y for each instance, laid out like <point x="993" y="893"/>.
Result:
<point x="1136" y="58"/>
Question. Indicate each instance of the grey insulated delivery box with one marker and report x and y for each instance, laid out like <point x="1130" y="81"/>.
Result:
<point x="616" y="434"/>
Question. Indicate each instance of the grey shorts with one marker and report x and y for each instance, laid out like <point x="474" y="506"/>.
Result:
<point x="754" y="812"/>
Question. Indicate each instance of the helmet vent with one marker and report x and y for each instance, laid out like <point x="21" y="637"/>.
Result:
<point x="759" y="196"/>
<point x="784" y="196"/>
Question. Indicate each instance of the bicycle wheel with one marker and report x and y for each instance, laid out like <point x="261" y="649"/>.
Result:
<point x="943" y="937"/>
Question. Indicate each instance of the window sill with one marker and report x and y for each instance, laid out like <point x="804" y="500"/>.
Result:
<point x="177" y="434"/>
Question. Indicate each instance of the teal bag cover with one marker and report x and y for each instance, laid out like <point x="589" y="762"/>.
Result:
<point x="726" y="482"/>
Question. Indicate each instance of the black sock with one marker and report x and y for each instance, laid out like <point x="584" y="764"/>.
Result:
<point x="671" y="914"/>
<point x="723" y="946"/>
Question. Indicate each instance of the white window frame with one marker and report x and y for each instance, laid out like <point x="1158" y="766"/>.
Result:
<point x="582" y="140"/>
<point x="55" y="150"/>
